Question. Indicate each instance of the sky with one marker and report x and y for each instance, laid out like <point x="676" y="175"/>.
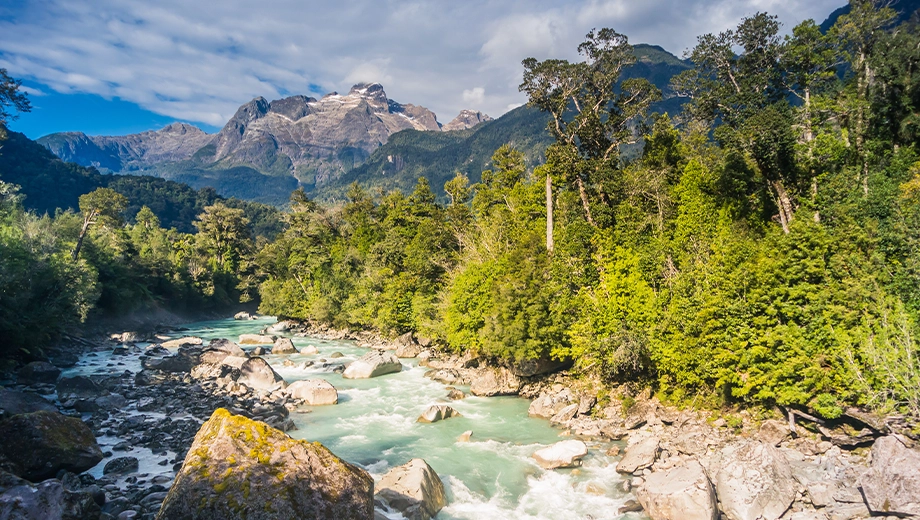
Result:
<point x="111" y="67"/>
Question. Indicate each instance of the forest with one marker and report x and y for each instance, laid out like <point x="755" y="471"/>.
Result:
<point x="763" y="249"/>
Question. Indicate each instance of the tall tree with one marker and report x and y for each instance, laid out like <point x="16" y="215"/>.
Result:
<point x="226" y="236"/>
<point x="102" y="206"/>
<point x="859" y="31"/>
<point x="594" y="114"/>
<point x="11" y="99"/>
<point x="743" y="96"/>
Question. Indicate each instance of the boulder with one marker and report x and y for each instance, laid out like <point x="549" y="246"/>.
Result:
<point x="639" y="456"/>
<point x="111" y="402"/>
<point x="240" y="468"/>
<point x="212" y="357"/>
<point x="465" y="436"/>
<point x="549" y="404"/>
<point x="243" y="315"/>
<point x="408" y="351"/>
<point x="259" y="351"/>
<point x="39" y="444"/>
<point x="182" y="361"/>
<point x="15" y="403"/>
<point x="455" y="395"/>
<point x="225" y="345"/>
<point x="283" y="346"/>
<point x="38" y="372"/>
<point x="256" y="339"/>
<point x="495" y="381"/>
<point x="891" y="486"/>
<point x="437" y="412"/>
<point x="414" y="489"/>
<point x="258" y="374"/>
<point x="309" y="350"/>
<point x="753" y="481"/>
<point x="48" y="500"/>
<point x="121" y="466"/>
<point x="565" y="454"/>
<point x="681" y="493"/>
<point x="281" y="326"/>
<point x="773" y="432"/>
<point x="565" y="415"/>
<point x="182" y="342"/>
<point x="447" y="376"/>
<point x="539" y="366"/>
<point x="315" y="392"/>
<point x="373" y="364"/>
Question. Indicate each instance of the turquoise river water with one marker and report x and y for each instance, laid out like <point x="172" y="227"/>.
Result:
<point x="491" y="477"/>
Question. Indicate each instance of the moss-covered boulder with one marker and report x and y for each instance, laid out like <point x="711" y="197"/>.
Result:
<point x="238" y="468"/>
<point x="39" y="444"/>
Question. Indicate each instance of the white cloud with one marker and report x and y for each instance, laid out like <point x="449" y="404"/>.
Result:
<point x="474" y="97"/>
<point x="193" y="61"/>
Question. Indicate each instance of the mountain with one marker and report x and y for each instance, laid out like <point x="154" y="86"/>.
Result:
<point x="268" y="149"/>
<point x="466" y="119"/>
<point x="905" y="9"/>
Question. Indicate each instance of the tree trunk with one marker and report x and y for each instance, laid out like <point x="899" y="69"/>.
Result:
<point x="784" y="203"/>
<point x="76" y="250"/>
<point x="549" y="213"/>
<point x="584" y="200"/>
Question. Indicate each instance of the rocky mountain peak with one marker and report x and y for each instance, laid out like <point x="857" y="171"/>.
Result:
<point x="466" y="119"/>
<point x="293" y="108"/>
<point x="180" y="129"/>
<point x="251" y="111"/>
<point x="373" y="93"/>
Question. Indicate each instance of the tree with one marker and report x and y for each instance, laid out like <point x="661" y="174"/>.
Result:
<point x="225" y="233"/>
<point x="859" y="31"/>
<point x="10" y="99"/>
<point x="743" y="97"/>
<point x="102" y="206"/>
<point x="593" y="112"/>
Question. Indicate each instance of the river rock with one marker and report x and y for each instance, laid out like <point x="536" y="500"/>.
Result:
<point x="773" y="432"/>
<point x="39" y="444"/>
<point x="309" y="350"/>
<point x="550" y="403"/>
<point x="256" y="339"/>
<point x="753" y="481"/>
<point x="283" y="346"/>
<point x="186" y="358"/>
<point x="437" y="412"/>
<point x="259" y="351"/>
<point x="681" y="493"/>
<point x="565" y="454"/>
<point x="48" y="500"/>
<point x="243" y="315"/>
<point x="539" y="366"/>
<point x="315" y="392"/>
<point x="240" y="468"/>
<point x="121" y="466"/>
<point x="15" y="403"/>
<point x="414" y="489"/>
<point x="892" y="483"/>
<point x="408" y="351"/>
<point x="638" y="456"/>
<point x="38" y="372"/>
<point x="495" y="381"/>
<point x="181" y="342"/>
<point x="373" y="364"/>
<point x="281" y="326"/>
<point x="256" y="373"/>
<point x="455" y="395"/>
<point x="225" y="345"/>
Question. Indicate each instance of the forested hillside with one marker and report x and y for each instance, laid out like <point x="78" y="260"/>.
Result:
<point x="763" y="248"/>
<point x="763" y="252"/>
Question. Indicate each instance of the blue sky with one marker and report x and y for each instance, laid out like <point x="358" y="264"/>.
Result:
<point x="110" y="67"/>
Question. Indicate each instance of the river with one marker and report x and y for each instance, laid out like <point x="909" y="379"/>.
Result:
<point x="374" y="425"/>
